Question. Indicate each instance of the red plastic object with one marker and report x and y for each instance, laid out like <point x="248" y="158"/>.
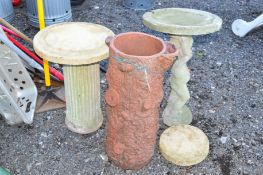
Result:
<point x="10" y="31"/>
<point x="16" y="2"/>
<point x="36" y="58"/>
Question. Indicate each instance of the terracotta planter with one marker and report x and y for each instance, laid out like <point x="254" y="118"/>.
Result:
<point x="135" y="75"/>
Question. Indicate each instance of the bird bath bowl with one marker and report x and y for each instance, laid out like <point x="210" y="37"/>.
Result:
<point x="181" y="24"/>
<point x="79" y="47"/>
<point x="182" y="21"/>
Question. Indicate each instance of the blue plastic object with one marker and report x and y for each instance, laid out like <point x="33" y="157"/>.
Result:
<point x="55" y="11"/>
<point x="6" y="10"/>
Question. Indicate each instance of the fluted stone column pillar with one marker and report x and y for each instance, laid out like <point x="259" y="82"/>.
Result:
<point x="82" y="89"/>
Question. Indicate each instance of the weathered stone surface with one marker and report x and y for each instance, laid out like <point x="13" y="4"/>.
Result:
<point x="184" y="145"/>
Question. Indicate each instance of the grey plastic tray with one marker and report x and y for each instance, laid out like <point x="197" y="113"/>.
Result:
<point x="18" y="93"/>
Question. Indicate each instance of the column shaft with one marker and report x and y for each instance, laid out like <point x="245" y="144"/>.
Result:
<point x="82" y="88"/>
<point x="176" y="112"/>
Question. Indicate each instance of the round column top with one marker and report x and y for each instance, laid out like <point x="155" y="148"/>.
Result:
<point x="184" y="145"/>
<point x="73" y="43"/>
<point x="182" y="21"/>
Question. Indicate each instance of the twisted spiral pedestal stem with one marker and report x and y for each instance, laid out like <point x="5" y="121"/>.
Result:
<point x="176" y="111"/>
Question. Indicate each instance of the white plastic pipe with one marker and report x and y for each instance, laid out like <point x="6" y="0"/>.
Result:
<point x="241" y="27"/>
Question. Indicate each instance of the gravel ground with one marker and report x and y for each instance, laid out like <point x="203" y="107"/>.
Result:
<point x="226" y="89"/>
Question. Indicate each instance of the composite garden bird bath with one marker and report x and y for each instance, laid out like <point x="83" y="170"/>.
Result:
<point x="181" y="24"/>
<point x="55" y="11"/>
<point x="135" y="75"/>
<point x="79" y="47"/>
<point x="184" y="145"/>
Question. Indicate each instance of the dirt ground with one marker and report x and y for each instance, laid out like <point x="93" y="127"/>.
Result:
<point x="227" y="101"/>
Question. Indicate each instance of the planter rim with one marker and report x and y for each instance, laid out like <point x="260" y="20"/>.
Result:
<point x="110" y="41"/>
